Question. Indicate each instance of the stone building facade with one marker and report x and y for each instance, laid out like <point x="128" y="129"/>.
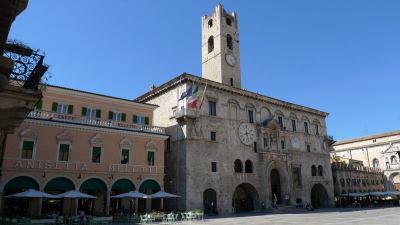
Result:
<point x="379" y="151"/>
<point x="237" y="150"/>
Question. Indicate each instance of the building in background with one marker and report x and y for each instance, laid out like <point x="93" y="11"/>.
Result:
<point x="75" y="140"/>
<point x="379" y="151"/>
<point x="234" y="150"/>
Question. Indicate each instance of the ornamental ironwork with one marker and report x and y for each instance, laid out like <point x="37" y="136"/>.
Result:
<point x="28" y="64"/>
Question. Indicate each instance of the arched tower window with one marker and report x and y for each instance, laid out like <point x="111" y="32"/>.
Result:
<point x="313" y="170"/>
<point x="248" y="166"/>
<point x="238" y="166"/>
<point x="375" y="163"/>
<point x="210" y="23"/>
<point x="210" y="44"/>
<point x="320" y="171"/>
<point x="229" y="42"/>
<point x="393" y="159"/>
<point x="228" y="21"/>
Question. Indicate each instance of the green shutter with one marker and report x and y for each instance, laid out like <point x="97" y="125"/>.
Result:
<point x="98" y="113"/>
<point x="84" y="111"/>
<point x="70" y="109"/>
<point x="134" y="119"/>
<point x="123" y="117"/>
<point x="54" y="107"/>
<point x="110" y="115"/>
<point x="39" y="104"/>
<point x="146" y="120"/>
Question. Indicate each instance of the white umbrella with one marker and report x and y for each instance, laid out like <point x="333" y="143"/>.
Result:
<point x="131" y="194"/>
<point x="392" y="192"/>
<point x="377" y="193"/>
<point x="75" y="195"/>
<point x="162" y="194"/>
<point x="31" y="193"/>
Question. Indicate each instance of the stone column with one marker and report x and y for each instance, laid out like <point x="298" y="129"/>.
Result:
<point x="1" y="203"/>
<point x="108" y="202"/>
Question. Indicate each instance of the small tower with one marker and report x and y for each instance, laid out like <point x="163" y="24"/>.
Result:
<point x="220" y="47"/>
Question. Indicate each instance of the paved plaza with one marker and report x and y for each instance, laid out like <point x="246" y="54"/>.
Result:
<point x="381" y="216"/>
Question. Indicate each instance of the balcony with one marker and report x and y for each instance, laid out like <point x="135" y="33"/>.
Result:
<point x="45" y="115"/>
<point x="184" y="112"/>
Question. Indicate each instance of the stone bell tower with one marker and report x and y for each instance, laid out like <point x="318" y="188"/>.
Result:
<point x="220" y="47"/>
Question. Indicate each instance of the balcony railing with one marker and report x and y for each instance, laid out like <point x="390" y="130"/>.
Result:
<point x="94" y="122"/>
<point x="192" y="113"/>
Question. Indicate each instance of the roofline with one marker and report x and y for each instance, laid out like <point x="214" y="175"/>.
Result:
<point x="189" y="77"/>
<point x="365" y="138"/>
<point x="102" y="95"/>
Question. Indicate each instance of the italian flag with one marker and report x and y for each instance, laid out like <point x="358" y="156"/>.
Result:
<point x="194" y="98"/>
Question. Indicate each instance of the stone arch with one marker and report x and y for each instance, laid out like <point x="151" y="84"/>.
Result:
<point x="238" y="166"/>
<point x="95" y="186"/>
<point x="20" y="183"/>
<point x="210" y="202"/>
<point x="319" y="196"/>
<point x="210" y="43"/>
<point x="245" y="198"/>
<point x="265" y="113"/>
<point x="281" y="167"/>
<point x="149" y="186"/>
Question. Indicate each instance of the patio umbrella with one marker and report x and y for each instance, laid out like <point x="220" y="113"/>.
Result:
<point x="31" y="193"/>
<point x="377" y="193"/>
<point x="74" y="194"/>
<point x="392" y="192"/>
<point x="131" y="194"/>
<point x="162" y="194"/>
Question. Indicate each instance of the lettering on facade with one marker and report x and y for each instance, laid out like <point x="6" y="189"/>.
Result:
<point x="32" y="164"/>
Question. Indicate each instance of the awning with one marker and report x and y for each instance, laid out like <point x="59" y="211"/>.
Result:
<point x="149" y="185"/>
<point x="93" y="184"/>
<point x="59" y="184"/>
<point x="123" y="185"/>
<point x="21" y="183"/>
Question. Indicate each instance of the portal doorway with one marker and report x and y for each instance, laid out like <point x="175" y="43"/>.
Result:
<point x="244" y="198"/>
<point x="319" y="196"/>
<point x="276" y="186"/>
<point x="210" y="201"/>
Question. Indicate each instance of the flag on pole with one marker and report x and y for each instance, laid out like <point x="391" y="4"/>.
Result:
<point x="186" y="93"/>
<point x="194" y="98"/>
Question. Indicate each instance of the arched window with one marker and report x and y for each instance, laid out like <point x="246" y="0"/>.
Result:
<point x="375" y="163"/>
<point x="313" y="170"/>
<point x="393" y="159"/>
<point x="210" y="44"/>
<point x="228" y="21"/>
<point x="320" y="171"/>
<point x="238" y="166"/>
<point x="248" y="166"/>
<point x="229" y="42"/>
<point x="210" y="23"/>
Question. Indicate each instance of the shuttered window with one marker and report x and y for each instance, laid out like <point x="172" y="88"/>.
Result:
<point x="63" y="153"/>
<point x="27" y="150"/>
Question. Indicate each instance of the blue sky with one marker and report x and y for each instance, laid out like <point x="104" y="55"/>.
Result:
<point x="341" y="56"/>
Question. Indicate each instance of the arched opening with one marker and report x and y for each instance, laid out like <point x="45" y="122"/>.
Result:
<point x="210" y="44"/>
<point x="228" y="21"/>
<point x="276" y="186"/>
<point x="229" y="41"/>
<point x="313" y="170"/>
<point x="319" y="196"/>
<point x="244" y="198"/>
<point x="393" y="159"/>
<point x="57" y="186"/>
<point x="122" y="205"/>
<point x="210" y="201"/>
<point x="248" y="166"/>
<point x="95" y="187"/>
<point x="210" y="23"/>
<point x="20" y="207"/>
<point x="320" y="171"/>
<point x="149" y="187"/>
<point x="238" y="166"/>
<point x="375" y="163"/>
<point x="394" y="179"/>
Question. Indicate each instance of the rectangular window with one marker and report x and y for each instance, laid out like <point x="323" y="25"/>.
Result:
<point x="143" y="120"/>
<point x="306" y="127"/>
<point x="231" y="80"/>
<point x="96" y="154"/>
<point x="282" y="144"/>
<point x="125" y="156"/>
<point x="63" y="153"/>
<point x="117" y="116"/>
<point x="213" y="136"/>
<point x="251" y="116"/>
<point x="308" y="148"/>
<point x="212" y="108"/>
<point x="280" y="121"/>
<point x="255" y="146"/>
<point x="62" y="108"/>
<point x="316" y="129"/>
<point x="294" y="125"/>
<point x="214" y="167"/>
<point x="91" y="113"/>
<point x="296" y="172"/>
<point x="150" y="158"/>
<point x="27" y="150"/>
<point x="265" y="142"/>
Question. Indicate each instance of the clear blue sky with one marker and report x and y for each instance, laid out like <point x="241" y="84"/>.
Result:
<point x="341" y="56"/>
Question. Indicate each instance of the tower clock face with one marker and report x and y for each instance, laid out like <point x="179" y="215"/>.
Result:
<point x="230" y="59"/>
<point x="247" y="133"/>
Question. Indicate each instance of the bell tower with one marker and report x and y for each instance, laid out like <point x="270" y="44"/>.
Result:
<point x="220" y="47"/>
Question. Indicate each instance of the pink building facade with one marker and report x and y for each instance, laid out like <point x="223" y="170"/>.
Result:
<point x="92" y="143"/>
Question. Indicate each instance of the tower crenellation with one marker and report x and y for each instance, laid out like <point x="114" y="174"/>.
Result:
<point x="220" y="47"/>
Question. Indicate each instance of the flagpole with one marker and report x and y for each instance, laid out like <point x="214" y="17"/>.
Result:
<point x="203" y="95"/>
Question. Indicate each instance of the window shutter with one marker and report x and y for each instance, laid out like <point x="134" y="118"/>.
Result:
<point x="54" y="107"/>
<point x="84" y="111"/>
<point x="146" y="120"/>
<point x="98" y="113"/>
<point x="39" y="104"/>
<point x="110" y="115"/>
<point x="123" y="117"/>
<point x="135" y="119"/>
<point x="70" y="109"/>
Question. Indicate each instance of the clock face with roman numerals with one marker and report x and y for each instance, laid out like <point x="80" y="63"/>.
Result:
<point x="247" y="133"/>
